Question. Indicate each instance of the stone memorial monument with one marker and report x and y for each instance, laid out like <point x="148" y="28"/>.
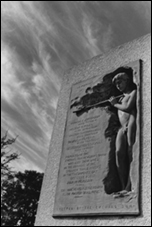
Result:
<point x="98" y="171"/>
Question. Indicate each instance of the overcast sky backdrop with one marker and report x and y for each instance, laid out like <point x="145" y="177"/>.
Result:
<point x="40" y="40"/>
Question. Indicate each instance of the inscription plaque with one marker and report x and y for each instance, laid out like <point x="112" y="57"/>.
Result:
<point x="99" y="166"/>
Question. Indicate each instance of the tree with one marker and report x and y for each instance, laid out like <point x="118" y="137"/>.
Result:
<point x="19" y="191"/>
<point x="20" y="201"/>
<point x="7" y="155"/>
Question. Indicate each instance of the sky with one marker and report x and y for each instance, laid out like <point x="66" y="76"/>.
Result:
<point x="40" y="40"/>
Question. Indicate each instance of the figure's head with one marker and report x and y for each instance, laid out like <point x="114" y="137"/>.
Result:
<point x="123" y="79"/>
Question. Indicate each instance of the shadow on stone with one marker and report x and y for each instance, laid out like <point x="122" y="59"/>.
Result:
<point x="111" y="181"/>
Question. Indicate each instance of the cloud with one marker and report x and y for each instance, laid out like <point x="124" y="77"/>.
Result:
<point x="34" y="150"/>
<point x="8" y="78"/>
<point x="91" y="40"/>
<point x="31" y="117"/>
<point x="107" y="39"/>
<point x="30" y="90"/>
<point x="23" y="164"/>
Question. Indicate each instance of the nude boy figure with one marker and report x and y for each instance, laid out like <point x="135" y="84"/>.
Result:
<point x="126" y="135"/>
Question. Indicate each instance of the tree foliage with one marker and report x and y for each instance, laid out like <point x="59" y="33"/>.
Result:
<point x="19" y="191"/>
<point x="7" y="155"/>
<point x="20" y="201"/>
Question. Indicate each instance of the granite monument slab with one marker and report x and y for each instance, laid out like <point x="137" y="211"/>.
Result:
<point x="100" y="161"/>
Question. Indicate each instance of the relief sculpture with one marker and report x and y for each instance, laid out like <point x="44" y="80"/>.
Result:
<point x="102" y="145"/>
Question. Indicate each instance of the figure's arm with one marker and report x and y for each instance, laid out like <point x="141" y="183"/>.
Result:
<point x="128" y="105"/>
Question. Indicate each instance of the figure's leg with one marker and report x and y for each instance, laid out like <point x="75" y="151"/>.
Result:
<point x="121" y="149"/>
<point x="131" y="140"/>
<point x="131" y="133"/>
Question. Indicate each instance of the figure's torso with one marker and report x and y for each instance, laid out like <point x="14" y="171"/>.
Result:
<point x="124" y="117"/>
